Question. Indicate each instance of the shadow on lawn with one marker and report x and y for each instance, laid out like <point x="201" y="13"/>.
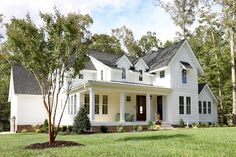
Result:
<point x="153" y="137"/>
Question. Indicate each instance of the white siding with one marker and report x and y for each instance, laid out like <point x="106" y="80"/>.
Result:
<point x="205" y="95"/>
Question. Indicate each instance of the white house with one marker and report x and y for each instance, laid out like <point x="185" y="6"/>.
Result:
<point x="123" y="90"/>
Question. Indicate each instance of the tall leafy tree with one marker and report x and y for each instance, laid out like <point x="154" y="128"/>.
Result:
<point x="105" y="43"/>
<point x="127" y="39"/>
<point x="46" y="52"/>
<point x="149" y="42"/>
<point x="229" y="22"/>
<point x="182" y="13"/>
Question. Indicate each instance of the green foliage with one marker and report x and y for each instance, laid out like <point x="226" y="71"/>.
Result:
<point x="105" y="43"/>
<point x="150" y="123"/>
<point x="23" y="131"/>
<point x="137" y="128"/>
<point x="70" y="128"/>
<point x="120" y="128"/>
<point x="39" y="130"/>
<point x="81" y="121"/>
<point x="149" y="42"/>
<point x="194" y="124"/>
<point x="204" y="125"/>
<point x="103" y="129"/>
<point x="181" y="123"/>
<point x="45" y="124"/>
<point x="64" y="128"/>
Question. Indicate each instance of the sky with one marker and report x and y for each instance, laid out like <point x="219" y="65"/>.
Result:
<point x="138" y="15"/>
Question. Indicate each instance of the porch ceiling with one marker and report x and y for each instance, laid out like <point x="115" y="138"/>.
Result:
<point x="122" y="86"/>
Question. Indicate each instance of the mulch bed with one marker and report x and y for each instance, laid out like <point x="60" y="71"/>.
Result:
<point x="45" y="145"/>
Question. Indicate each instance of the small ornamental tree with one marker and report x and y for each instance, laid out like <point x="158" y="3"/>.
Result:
<point x="81" y="121"/>
<point x="46" y="52"/>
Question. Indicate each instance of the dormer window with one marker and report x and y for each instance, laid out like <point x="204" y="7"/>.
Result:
<point x="140" y="75"/>
<point x="102" y="75"/>
<point x="184" y="76"/>
<point x="81" y="76"/>
<point x="162" y="74"/>
<point x="123" y="75"/>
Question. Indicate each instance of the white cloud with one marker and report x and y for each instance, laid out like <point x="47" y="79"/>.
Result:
<point x="136" y="14"/>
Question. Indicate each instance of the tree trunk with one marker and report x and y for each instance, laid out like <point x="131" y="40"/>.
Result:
<point x="51" y="138"/>
<point x="233" y="74"/>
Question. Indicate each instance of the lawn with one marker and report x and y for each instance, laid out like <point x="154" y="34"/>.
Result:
<point x="180" y="142"/>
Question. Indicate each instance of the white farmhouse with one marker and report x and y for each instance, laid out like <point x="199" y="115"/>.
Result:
<point x="123" y="90"/>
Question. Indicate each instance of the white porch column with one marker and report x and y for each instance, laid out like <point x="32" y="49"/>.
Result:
<point x="91" y="104"/>
<point x="122" y="107"/>
<point x="78" y="102"/>
<point x="148" y="107"/>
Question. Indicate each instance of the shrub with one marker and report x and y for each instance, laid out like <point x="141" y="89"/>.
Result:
<point x="194" y="124"/>
<point x="64" y="128"/>
<point x="140" y="128"/>
<point x="45" y="124"/>
<point x="181" y="123"/>
<point x="135" y="127"/>
<point x="58" y="128"/>
<point x="70" y="128"/>
<point x="150" y="123"/>
<point x="39" y="130"/>
<point x="204" y="125"/>
<point x="120" y="128"/>
<point x="103" y="129"/>
<point x="81" y="121"/>
<point x="23" y="131"/>
<point x="35" y="127"/>
<point x="152" y="128"/>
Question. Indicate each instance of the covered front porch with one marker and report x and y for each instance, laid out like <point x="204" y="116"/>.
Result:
<point x="118" y="103"/>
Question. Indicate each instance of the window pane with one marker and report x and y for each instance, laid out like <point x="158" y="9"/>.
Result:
<point x="184" y="76"/>
<point x="188" y="105"/>
<point x="140" y="75"/>
<point x="86" y="102"/>
<point x="123" y="75"/>
<point x="181" y="105"/>
<point x="96" y="104"/>
<point x="162" y="74"/>
<point x="200" y="107"/>
<point x="204" y="107"/>
<point x="101" y="74"/>
<point x="105" y="104"/>
<point x="209" y="107"/>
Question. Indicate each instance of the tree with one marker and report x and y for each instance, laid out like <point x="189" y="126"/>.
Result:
<point x="105" y="43"/>
<point x="149" y="42"/>
<point x="229" y="22"/>
<point x="81" y="121"/>
<point x="46" y="52"/>
<point x="126" y="38"/>
<point x="182" y="13"/>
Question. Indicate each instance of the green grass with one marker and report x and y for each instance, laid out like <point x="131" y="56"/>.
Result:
<point x="181" y="142"/>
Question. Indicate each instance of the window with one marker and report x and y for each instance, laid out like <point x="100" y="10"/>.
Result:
<point x="71" y="104"/>
<point x="81" y="76"/>
<point x="188" y="105"/>
<point x="104" y="104"/>
<point x="96" y="104"/>
<point x="128" y="98"/>
<point x="101" y="74"/>
<point x="162" y="74"/>
<point x="204" y="107"/>
<point x="209" y="107"/>
<point x="199" y="107"/>
<point x="75" y="104"/>
<point x="181" y="105"/>
<point x="123" y="73"/>
<point x="140" y="75"/>
<point x="86" y="102"/>
<point x="184" y="76"/>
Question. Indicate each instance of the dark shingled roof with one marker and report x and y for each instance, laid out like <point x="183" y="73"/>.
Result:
<point x="24" y="82"/>
<point x="200" y="87"/>
<point x="89" y="65"/>
<point x="162" y="57"/>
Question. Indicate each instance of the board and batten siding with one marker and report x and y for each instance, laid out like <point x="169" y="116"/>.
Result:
<point x="206" y="96"/>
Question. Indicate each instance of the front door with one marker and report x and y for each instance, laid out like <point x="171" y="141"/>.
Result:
<point x="159" y="107"/>
<point x="141" y="108"/>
